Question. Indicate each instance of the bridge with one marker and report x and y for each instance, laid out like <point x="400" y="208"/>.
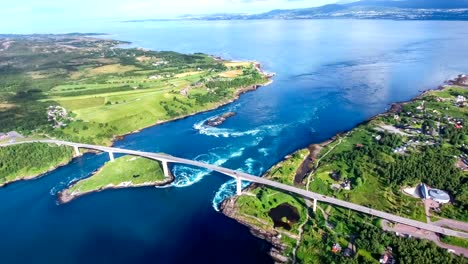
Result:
<point x="240" y="176"/>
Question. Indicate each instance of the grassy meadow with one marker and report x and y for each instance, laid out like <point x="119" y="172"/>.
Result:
<point x="127" y="170"/>
<point x="108" y="91"/>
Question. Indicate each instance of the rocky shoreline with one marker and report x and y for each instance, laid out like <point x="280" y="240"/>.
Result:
<point x="229" y="208"/>
<point x="33" y="177"/>
<point x="115" y="138"/>
<point x="65" y="196"/>
<point x="238" y="93"/>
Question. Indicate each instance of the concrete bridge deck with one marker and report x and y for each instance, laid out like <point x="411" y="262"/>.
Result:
<point x="239" y="176"/>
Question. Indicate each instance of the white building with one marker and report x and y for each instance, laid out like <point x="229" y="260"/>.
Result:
<point x="460" y="99"/>
<point x="439" y="196"/>
<point x="434" y="194"/>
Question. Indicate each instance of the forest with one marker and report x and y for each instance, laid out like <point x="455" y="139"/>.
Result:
<point x="36" y="158"/>
<point x="405" y="250"/>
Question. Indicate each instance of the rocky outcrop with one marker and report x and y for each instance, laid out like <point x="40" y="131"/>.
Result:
<point x="67" y="195"/>
<point x="219" y="119"/>
<point x="461" y="80"/>
<point x="229" y="208"/>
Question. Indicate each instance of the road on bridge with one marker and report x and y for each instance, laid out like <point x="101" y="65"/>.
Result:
<point x="251" y="178"/>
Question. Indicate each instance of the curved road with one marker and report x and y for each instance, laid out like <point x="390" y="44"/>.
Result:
<point x="251" y="178"/>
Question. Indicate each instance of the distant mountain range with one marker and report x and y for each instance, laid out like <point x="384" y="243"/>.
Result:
<point x="364" y="9"/>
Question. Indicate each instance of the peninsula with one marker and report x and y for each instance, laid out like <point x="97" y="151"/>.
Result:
<point x="123" y="172"/>
<point x="379" y="164"/>
<point x="81" y="88"/>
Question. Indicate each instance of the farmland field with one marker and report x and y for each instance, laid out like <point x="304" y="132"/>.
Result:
<point x="107" y="91"/>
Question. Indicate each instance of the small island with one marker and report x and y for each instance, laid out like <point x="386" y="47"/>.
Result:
<point x="375" y="164"/>
<point x="217" y="121"/>
<point x="81" y="88"/>
<point x="123" y="172"/>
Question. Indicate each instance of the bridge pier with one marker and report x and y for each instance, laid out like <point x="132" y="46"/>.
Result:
<point x="111" y="156"/>
<point x="77" y="151"/>
<point x="314" y="208"/>
<point x="238" y="186"/>
<point x="165" y="168"/>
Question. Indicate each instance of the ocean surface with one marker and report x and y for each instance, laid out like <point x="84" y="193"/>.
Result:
<point x="331" y="75"/>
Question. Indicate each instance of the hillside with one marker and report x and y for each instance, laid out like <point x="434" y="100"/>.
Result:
<point x="364" y="9"/>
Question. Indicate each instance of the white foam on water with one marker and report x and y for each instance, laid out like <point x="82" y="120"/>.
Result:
<point x="228" y="189"/>
<point x="227" y="132"/>
<point x="187" y="176"/>
<point x="62" y="185"/>
<point x="264" y="151"/>
<point x="238" y="153"/>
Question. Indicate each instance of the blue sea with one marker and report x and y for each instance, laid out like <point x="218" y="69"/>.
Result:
<point x="331" y="75"/>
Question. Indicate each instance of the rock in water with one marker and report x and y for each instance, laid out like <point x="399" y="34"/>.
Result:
<point x="219" y="119"/>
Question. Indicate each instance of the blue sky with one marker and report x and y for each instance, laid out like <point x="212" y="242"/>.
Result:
<point x="31" y="11"/>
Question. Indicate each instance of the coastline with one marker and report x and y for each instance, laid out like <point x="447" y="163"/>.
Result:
<point x="239" y="92"/>
<point x="229" y="207"/>
<point x="37" y="176"/>
<point x="64" y="196"/>
<point x="236" y="96"/>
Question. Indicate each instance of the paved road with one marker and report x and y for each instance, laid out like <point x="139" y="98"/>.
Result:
<point x="263" y="181"/>
<point x="452" y="223"/>
<point x="423" y="234"/>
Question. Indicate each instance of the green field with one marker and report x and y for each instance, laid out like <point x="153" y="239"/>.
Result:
<point x="108" y="91"/>
<point x="121" y="104"/>
<point x="128" y="170"/>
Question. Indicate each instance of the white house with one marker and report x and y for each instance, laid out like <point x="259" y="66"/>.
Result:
<point x="460" y="99"/>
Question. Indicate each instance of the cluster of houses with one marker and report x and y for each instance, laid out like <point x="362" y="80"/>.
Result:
<point x="58" y="116"/>
<point x="457" y="123"/>
<point x="161" y="62"/>
<point x="412" y="143"/>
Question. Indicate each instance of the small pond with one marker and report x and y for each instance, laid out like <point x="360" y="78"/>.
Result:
<point x="284" y="215"/>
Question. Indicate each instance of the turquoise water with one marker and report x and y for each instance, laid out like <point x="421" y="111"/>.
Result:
<point x="331" y="75"/>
